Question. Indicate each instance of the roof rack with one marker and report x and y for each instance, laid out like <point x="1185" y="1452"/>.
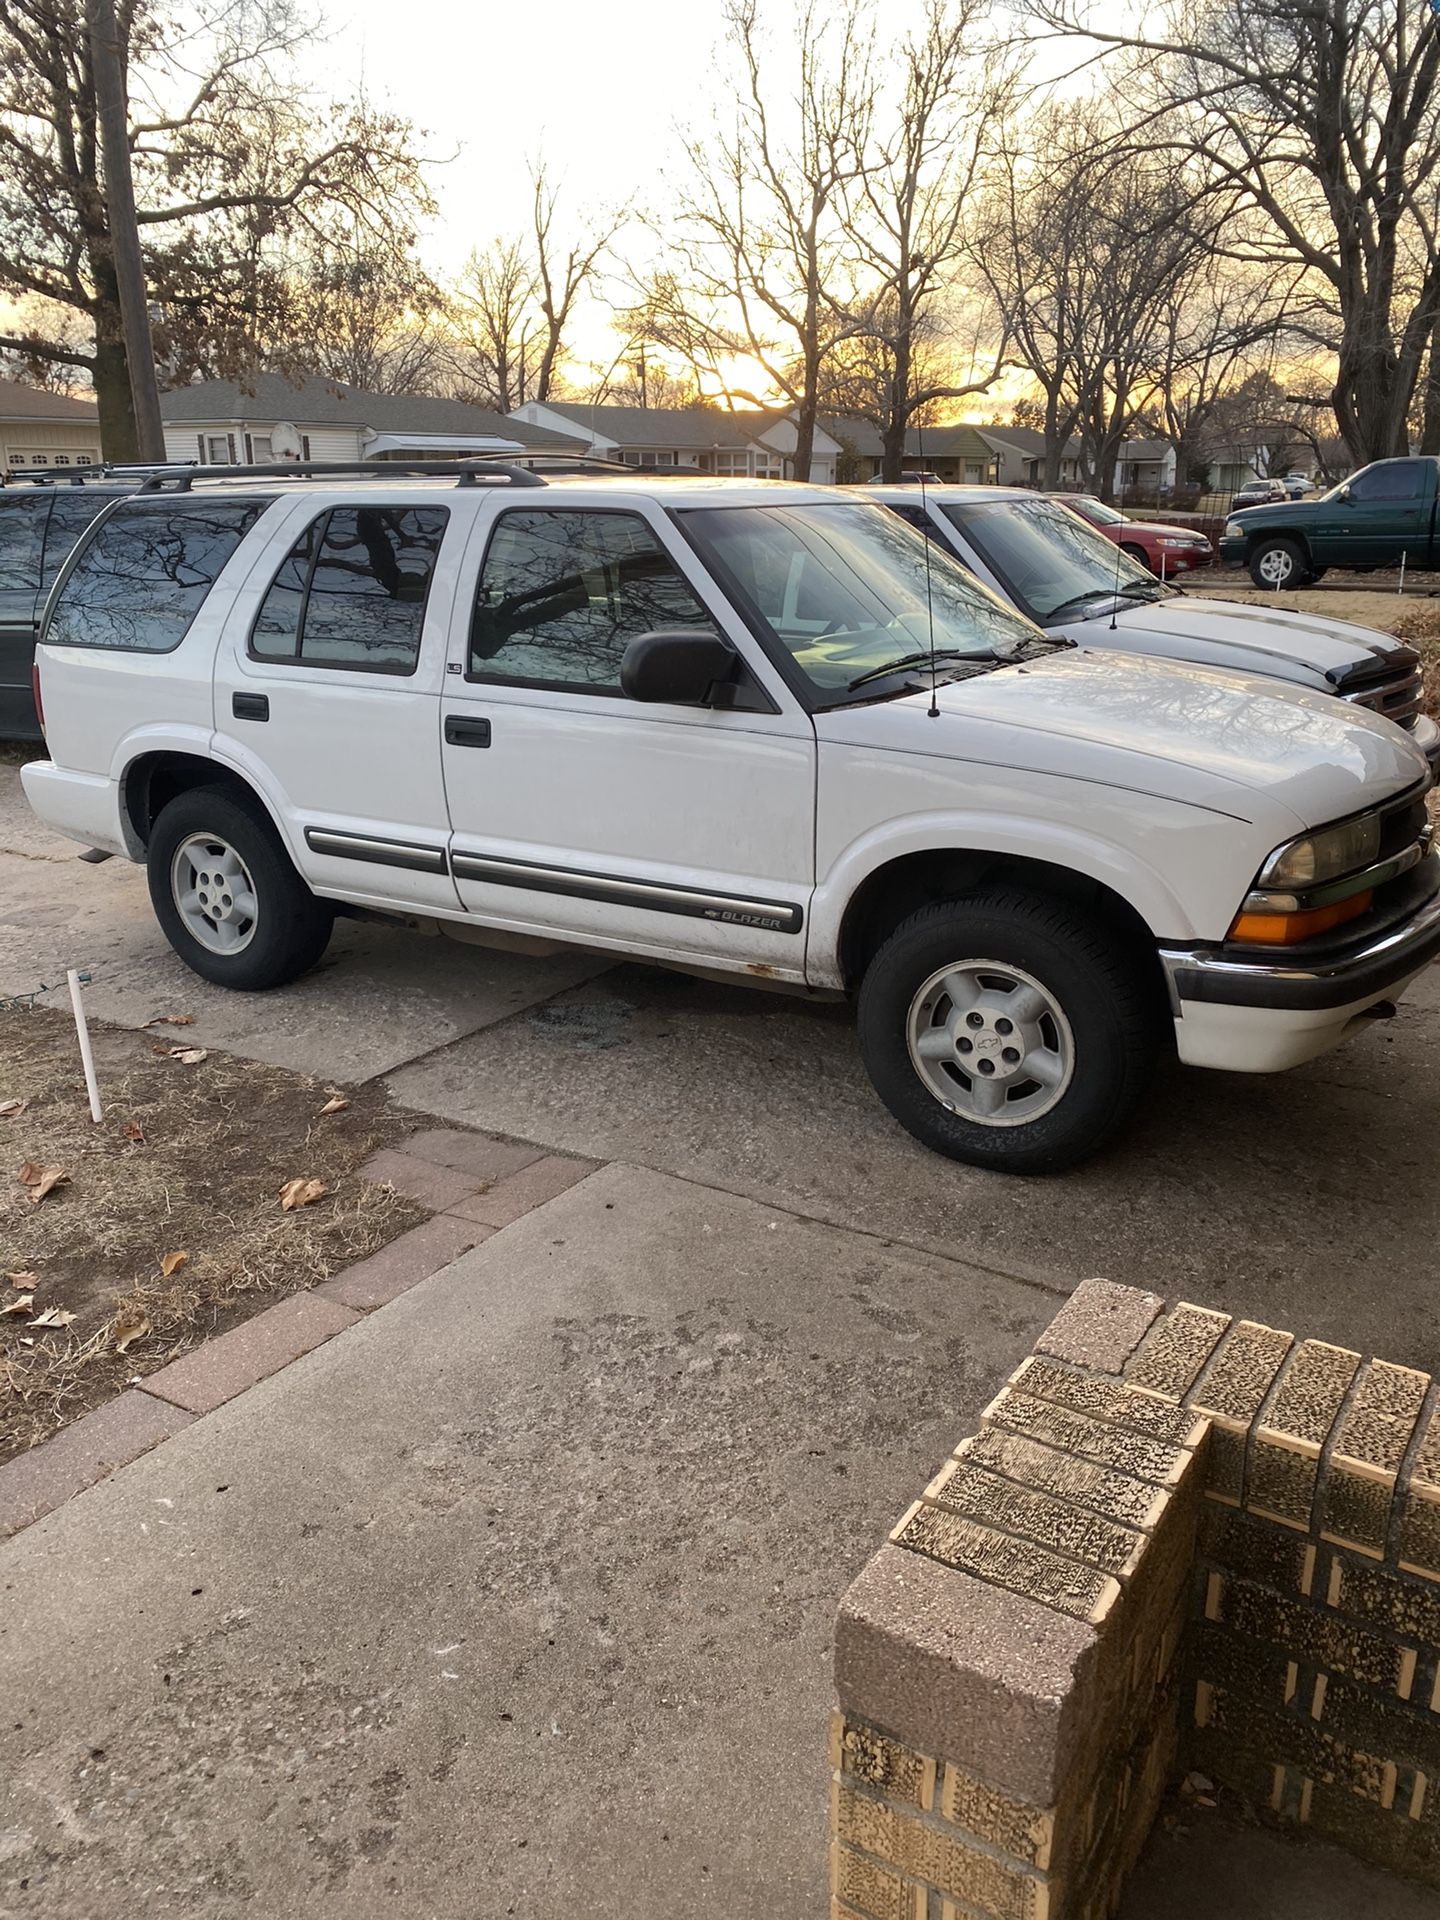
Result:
<point x="465" y="473"/>
<point x="54" y="476"/>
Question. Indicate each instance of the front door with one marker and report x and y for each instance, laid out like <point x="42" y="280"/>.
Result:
<point x="327" y="692"/>
<point x="666" y="830"/>
<point x="1385" y="512"/>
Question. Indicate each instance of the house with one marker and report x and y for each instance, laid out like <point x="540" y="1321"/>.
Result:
<point x="46" y="429"/>
<point x="1144" y="466"/>
<point x="1021" y="454"/>
<point x="221" y="423"/>
<point x="954" y="453"/>
<point x="751" y="445"/>
<point x="1257" y="453"/>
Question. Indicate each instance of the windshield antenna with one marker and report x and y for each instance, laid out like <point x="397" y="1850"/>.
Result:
<point x="1115" y="603"/>
<point x="934" y="708"/>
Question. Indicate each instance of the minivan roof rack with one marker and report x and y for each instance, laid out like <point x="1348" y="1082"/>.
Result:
<point x="465" y="473"/>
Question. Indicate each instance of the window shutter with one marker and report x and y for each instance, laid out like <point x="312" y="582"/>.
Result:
<point x="201" y="439"/>
<point x="230" y="441"/>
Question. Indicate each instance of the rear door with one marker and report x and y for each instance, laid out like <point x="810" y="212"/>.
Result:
<point x="661" y="829"/>
<point x="24" y="514"/>
<point x="327" y="690"/>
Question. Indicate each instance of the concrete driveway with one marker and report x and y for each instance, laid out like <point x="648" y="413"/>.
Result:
<point x="519" y="1593"/>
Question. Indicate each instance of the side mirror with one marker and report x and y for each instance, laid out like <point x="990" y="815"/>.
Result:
<point x="680" y="668"/>
<point x="1345" y="491"/>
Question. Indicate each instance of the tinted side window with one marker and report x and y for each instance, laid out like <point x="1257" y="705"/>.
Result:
<point x="562" y="593"/>
<point x="74" y="509"/>
<point x="143" y="578"/>
<point x="22" y="539"/>
<point x="351" y="591"/>
<point x="1393" y="480"/>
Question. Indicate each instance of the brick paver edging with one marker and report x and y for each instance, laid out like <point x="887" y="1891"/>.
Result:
<point x="477" y="1185"/>
<point x="1177" y="1541"/>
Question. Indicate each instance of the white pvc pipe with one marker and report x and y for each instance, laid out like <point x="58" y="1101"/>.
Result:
<point x="87" y="1058"/>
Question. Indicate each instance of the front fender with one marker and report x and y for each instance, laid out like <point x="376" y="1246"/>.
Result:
<point x="1182" y="871"/>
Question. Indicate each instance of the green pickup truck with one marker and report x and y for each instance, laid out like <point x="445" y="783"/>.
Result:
<point x="1379" y="516"/>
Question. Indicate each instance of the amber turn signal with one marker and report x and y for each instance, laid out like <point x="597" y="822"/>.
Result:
<point x="1288" y="929"/>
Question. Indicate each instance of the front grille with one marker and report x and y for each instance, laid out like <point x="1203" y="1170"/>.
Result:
<point x="1397" y="697"/>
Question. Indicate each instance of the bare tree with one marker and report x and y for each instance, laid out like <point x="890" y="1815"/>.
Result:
<point x="758" y="238"/>
<point x="365" y="314"/>
<point x="1321" y="122"/>
<point x="516" y="302"/>
<point x="230" y="158"/>
<point x="905" y="213"/>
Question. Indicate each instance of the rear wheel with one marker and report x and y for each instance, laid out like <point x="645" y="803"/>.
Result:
<point x="1007" y="1030"/>
<point x="226" y="895"/>
<point x="1276" y="564"/>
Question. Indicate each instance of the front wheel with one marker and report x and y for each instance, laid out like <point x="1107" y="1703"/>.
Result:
<point x="1277" y="564"/>
<point x="1007" y="1030"/>
<point x="1137" y="554"/>
<point x="226" y="895"/>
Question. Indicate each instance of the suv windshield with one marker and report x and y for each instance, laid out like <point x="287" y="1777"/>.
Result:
<point x="844" y="590"/>
<point x="1048" y="560"/>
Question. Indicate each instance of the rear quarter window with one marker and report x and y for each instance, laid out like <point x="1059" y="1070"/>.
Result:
<point x="143" y="575"/>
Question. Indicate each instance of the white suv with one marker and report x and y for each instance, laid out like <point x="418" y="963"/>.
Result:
<point x="740" y="726"/>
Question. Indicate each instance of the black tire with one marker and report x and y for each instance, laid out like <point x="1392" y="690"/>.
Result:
<point x="1137" y="554"/>
<point x="291" y="927"/>
<point x="1279" y="565"/>
<point x="1098" y="985"/>
<point x="1316" y="573"/>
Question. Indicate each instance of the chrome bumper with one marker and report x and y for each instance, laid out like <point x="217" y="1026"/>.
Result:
<point x="1364" y="972"/>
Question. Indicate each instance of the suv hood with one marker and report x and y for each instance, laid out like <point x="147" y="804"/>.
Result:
<point x="1254" y="639"/>
<point x="1233" y="742"/>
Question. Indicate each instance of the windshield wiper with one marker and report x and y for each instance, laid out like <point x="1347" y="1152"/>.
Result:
<point x="908" y="660"/>
<point x="1079" y="600"/>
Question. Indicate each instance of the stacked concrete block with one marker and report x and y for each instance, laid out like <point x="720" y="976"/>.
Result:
<point x="1176" y="1541"/>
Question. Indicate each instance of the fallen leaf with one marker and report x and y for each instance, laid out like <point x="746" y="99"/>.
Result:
<point x="300" y="1193"/>
<point x="41" y="1180"/>
<point x="21" y="1279"/>
<point x="336" y="1105"/>
<point x="191" y="1056"/>
<point x="128" y="1328"/>
<point x="172" y="1263"/>
<point x="20" y="1305"/>
<point x="8" y="1108"/>
<point x="134" y="1131"/>
<point x="169" y="1020"/>
<point x="52" y="1317"/>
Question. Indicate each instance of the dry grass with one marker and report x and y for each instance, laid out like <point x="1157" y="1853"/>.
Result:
<point x="219" y="1138"/>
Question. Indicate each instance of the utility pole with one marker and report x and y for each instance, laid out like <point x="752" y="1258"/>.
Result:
<point x="110" y="108"/>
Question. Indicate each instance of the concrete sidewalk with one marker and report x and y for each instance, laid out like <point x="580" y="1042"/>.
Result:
<point x="516" y="1596"/>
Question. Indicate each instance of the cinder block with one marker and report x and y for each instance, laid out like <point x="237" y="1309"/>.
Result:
<point x="1228" y="1661"/>
<point x="1288" y="1739"/>
<point x="1358" y="1491"/>
<point x="1242" y="1372"/>
<point x="1011" y="1826"/>
<point x="868" y="1889"/>
<point x="1225" y="1460"/>
<point x="1173" y="1354"/>
<point x="950" y="1665"/>
<point x="1418" y="1541"/>
<point x="1100" y="1325"/>
<point x="1388" y="1840"/>
<point x="1403" y="1736"/>
<point x="1002" y="1560"/>
<point x="1115" y="1496"/>
<point x="882" y="1763"/>
<point x="1383" y="1599"/>
<point x="977" y="1495"/>
<point x="1129" y="1453"/>
<point x="1107" y="1400"/>
<point x="1320" y="1639"/>
<point x="1285" y="1451"/>
<point x="984" y="1882"/>
<point x="1250" y="1547"/>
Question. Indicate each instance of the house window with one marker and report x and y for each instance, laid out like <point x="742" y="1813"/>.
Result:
<point x="218" y="449"/>
<point x="732" y="463"/>
<point x="258" y="446"/>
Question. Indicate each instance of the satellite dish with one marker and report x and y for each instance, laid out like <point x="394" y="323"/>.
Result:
<point x="285" y="441"/>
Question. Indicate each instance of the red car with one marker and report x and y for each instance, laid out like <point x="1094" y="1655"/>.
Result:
<point x="1165" y="550"/>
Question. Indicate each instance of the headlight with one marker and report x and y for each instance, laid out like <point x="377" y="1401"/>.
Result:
<point x="1317" y="858"/>
<point x="1187" y="542"/>
<point x="1233" y="530"/>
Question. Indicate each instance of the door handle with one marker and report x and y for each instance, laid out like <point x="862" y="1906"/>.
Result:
<point x="250" y="706"/>
<point x="461" y="732"/>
